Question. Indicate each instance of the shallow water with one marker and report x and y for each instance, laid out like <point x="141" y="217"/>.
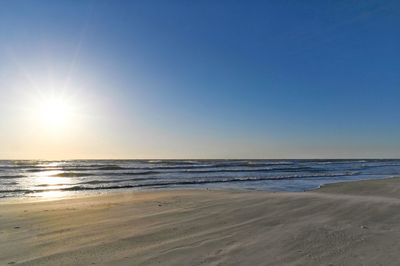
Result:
<point x="63" y="178"/>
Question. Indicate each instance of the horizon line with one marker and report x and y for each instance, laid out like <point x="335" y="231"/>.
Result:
<point x="200" y="159"/>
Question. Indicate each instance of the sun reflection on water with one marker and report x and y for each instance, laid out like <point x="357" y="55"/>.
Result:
<point x="48" y="183"/>
<point x="56" y="194"/>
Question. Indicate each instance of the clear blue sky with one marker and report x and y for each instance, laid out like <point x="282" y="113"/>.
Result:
<point x="202" y="79"/>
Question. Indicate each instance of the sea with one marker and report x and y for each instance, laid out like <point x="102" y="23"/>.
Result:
<point x="52" y="179"/>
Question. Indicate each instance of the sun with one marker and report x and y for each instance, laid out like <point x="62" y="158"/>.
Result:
<point x="55" y="112"/>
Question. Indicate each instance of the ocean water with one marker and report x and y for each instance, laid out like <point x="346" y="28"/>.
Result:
<point x="63" y="178"/>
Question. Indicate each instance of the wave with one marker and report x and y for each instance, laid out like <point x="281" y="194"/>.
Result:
<point x="168" y="183"/>
<point x="116" y="168"/>
<point x="11" y="176"/>
<point x="51" y="185"/>
<point x="198" y="182"/>
<point x="284" y="169"/>
<point x="378" y="166"/>
<point x="10" y="183"/>
<point x="42" y="169"/>
<point x="94" y="182"/>
<point x="219" y="163"/>
<point x="139" y="173"/>
<point x="25" y="191"/>
<point x="151" y="171"/>
<point x="175" y="162"/>
<point x="71" y="174"/>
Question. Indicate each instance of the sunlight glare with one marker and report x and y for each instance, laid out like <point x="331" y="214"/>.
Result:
<point x="55" y="112"/>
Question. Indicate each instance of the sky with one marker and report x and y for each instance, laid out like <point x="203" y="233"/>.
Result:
<point x="199" y="79"/>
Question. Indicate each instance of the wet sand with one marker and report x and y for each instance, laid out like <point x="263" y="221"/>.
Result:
<point x="356" y="223"/>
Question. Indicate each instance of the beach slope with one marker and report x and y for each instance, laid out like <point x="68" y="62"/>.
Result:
<point x="356" y="223"/>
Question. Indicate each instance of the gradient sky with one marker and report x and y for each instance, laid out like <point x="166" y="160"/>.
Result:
<point x="201" y="79"/>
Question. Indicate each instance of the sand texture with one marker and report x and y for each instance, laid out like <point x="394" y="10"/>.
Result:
<point x="355" y="223"/>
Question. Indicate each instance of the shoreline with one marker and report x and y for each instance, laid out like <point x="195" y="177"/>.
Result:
<point x="346" y="223"/>
<point x="112" y="191"/>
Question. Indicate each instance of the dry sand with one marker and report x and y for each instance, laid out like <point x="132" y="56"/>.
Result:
<point x="354" y="223"/>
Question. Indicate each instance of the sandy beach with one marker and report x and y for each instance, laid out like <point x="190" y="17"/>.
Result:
<point x="354" y="223"/>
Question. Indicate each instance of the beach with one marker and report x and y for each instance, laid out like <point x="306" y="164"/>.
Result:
<point x="352" y="223"/>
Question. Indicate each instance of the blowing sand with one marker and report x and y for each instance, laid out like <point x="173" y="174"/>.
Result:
<point x="354" y="223"/>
